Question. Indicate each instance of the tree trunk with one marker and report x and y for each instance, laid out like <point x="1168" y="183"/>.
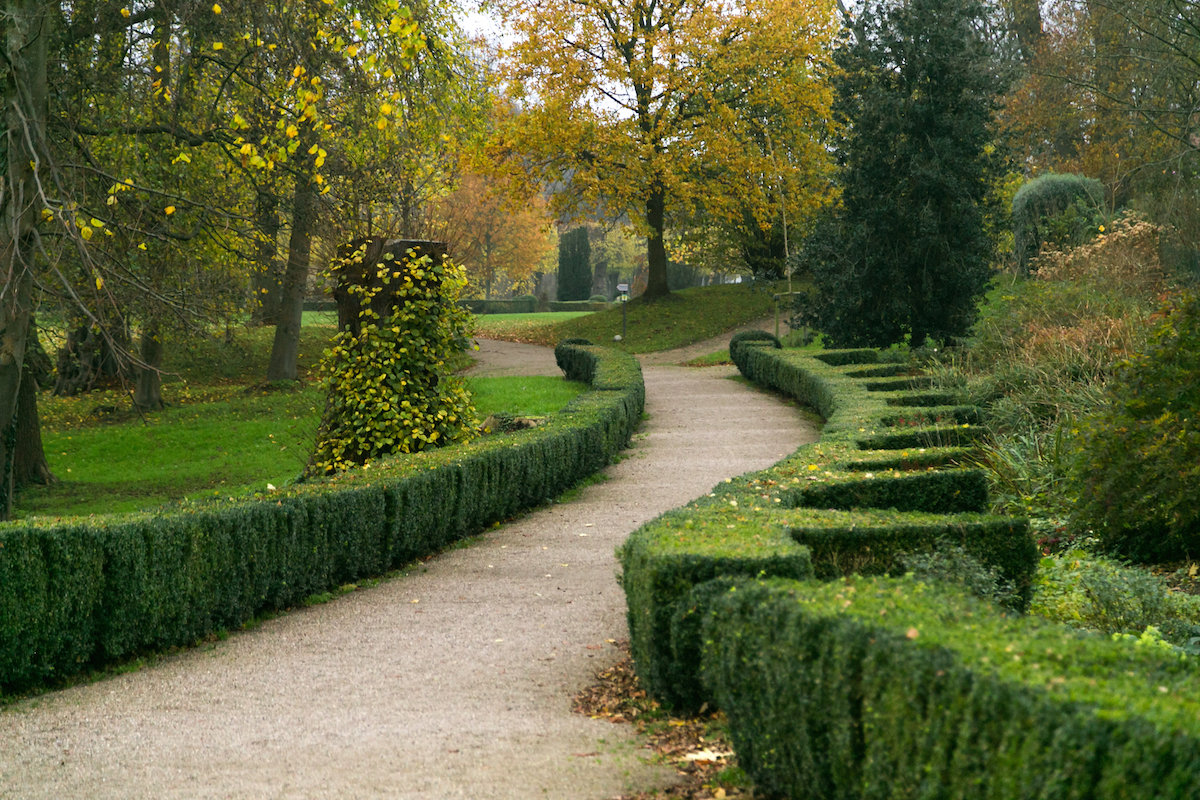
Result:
<point x="489" y="271"/>
<point x="266" y="280"/>
<point x="286" y="347"/>
<point x="656" y="248"/>
<point x="23" y="84"/>
<point x="1027" y="25"/>
<point x="147" y="394"/>
<point x="29" y="457"/>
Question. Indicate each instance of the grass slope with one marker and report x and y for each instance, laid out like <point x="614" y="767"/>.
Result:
<point x="682" y="318"/>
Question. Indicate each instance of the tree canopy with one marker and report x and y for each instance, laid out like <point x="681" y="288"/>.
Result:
<point x="658" y="109"/>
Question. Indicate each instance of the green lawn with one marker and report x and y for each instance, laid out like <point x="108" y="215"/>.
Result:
<point x="221" y="433"/>
<point x="230" y="446"/>
<point x="688" y="316"/>
<point x="515" y="326"/>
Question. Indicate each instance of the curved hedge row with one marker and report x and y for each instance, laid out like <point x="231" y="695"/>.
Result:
<point x="81" y="592"/>
<point x="889" y="688"/>
<point x="886" y="687"/>
<point x="885" y="479"/>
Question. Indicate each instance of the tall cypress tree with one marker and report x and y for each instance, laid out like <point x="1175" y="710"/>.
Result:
<point x="574" y="265"/>
<point x="906" y="253"/>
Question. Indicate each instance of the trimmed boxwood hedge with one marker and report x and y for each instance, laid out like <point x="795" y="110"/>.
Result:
<point x="526" y="304"/>
<point x="842" y="685"/>
<point x="79" y="593"/>
<point x="578" y="305"/>
<point x="886" y="688"/>
<point x="822" y="511"/>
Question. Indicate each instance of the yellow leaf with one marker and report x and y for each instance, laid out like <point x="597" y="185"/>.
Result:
<point x="99" y="283"/>
<point x="125" y="13"/>
<point x="216" y="8"/>
<point x="218" y="46"/>
<point x="169" y="210"/>
<point x="85" y="232"/>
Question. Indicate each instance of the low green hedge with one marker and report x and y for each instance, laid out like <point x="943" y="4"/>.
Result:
<point x="577" y="305"/>
<point x="517" y="305"/>
<point x="822" y="511"/>
<point x="842" y="685"/>
<point x="79" y="593"/>
<point x="885" y="688"/>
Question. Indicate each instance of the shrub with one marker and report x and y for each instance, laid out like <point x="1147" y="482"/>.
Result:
<point x="881" y="688"/>
<point x="1138" y="468"/>
<point x="817" y="512"/>
<point x="953" y="564"/>
<point x="1059" y="210"/>
<point x="1124" y="257"/>
<point x="1100" y="594"/>
<point x="526" y="304"/>
<point x="742" y="338"/>
<point x="76" y="593"/>
<point x="598" y="298"/>
<point x="390" y="389"/>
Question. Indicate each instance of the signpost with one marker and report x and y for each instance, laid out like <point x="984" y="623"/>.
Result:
<point x="623" y="298"/>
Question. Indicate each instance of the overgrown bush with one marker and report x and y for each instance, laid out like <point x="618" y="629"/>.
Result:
<point x="390" y="387"/>
<point x="1041" y="353"/>
<point x="1061" y="211"/>
<point x="1138" y="469"/>
<point x="1100" y="594"/>
<point x="952" y="563"/>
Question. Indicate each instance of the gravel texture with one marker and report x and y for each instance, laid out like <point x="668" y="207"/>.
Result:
<point x="451" y="681"/>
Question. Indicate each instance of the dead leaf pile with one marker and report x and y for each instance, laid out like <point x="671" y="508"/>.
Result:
<point x="694" y="746"/>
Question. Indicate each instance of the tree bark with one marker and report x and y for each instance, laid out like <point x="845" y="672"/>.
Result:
<point x="266" y="281"/>
<point x="286" y="347"/>
<point x="23" y="84"/>
<point x="1027" y="25"/>
<point x="147" y="394"/>
<point x="30" y="467"/>
<point x="656" y="248"/>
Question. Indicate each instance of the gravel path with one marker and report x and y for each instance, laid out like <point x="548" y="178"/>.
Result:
<point x="452" y="681"/>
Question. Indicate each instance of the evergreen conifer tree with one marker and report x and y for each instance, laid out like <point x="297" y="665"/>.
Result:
<point x="906" y="252"/>
<point x="574" y="265"/>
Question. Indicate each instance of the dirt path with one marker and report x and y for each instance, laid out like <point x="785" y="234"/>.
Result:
<point x="453" y="681"/>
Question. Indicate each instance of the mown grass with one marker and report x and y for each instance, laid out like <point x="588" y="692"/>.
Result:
<point x="682" y="318"/>
<point x="514" y="326"/>
<point x="222" y="433"/>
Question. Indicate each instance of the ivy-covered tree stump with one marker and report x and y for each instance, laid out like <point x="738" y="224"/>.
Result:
<point x="388" y="375"/>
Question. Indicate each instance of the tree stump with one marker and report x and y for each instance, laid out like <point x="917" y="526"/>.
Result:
<point x="358" y="268"/>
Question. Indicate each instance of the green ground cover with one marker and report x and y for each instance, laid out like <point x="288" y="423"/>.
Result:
<point x="514" y="327"/>
<point x="221" y="434"/>
<point x="684" y="317"/>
